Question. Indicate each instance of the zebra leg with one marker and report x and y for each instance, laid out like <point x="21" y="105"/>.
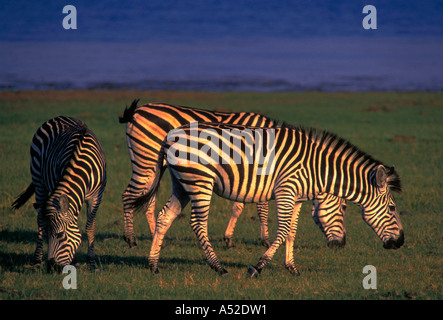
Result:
<point x="289" y="257"/>
<point x="38" y="253"/>
<point x="92" y="207"/>
<point x="150" y="214"/>
<point x="262" y="210"/>
<point x="199" y="223"/>
<point x="41" y="224"/>
<point x="136" y="188"/>
<point x="285" y="216"/>
<point x="128" y="198"/>
<point x="237" y="208"/>
<point x="166" y="216"/>
<point x="129" y="236"/>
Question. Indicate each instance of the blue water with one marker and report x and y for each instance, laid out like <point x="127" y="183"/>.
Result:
<point x="222" y="45"/>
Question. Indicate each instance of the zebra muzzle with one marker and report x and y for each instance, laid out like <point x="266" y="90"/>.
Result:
<point x="130" y="240"/>
<point x="54" y="266"/>
<point x="337" y="243"/>
<point x="395" y="243"/>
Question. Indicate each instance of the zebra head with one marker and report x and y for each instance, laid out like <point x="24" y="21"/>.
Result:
<point x="328" y="212"/>
<point x="64" y="236"/>
<point x="380" y="212"/>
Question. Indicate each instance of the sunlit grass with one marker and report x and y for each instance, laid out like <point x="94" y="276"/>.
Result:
<point x="403" y="129"/>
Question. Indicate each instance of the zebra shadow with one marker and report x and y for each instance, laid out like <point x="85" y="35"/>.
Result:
<point x="186" y="263"/>
<point x="15" y="262"/>
<point x="22" y="262"/>
<point x="18" y="236"/>
<point x="106" y="261"/>
<point x="12" y="260"/>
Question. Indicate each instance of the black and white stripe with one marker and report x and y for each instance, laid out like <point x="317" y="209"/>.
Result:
<point x="68" y="168"/>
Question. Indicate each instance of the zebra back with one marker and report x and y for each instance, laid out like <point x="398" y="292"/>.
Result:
<point x="67" y="157"/>
<point x="148" y="126"/>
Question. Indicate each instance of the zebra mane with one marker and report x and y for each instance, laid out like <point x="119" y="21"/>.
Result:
<point x="81" y="131"/>
<point x="334" y="141"/>
<point x="394" y="182"/>
<point x="77" y="134"/>
<point x="129" y="112"/>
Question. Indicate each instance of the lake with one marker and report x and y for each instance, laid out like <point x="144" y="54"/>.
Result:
<point x="222" y="46"/>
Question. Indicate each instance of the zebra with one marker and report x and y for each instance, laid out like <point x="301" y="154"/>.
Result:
<point x="147" y="127"/>
<point x="68" y="168"/>
<point x="306" y="162"/>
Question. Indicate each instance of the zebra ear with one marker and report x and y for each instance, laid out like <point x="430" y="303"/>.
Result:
<point x="63" y="203"/>
<point x="381" y="177"/>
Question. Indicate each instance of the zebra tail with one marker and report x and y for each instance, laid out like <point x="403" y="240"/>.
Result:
<point x="129" y="112"/>
<point x="23" y="197"/>
<point x="144" y="200"/>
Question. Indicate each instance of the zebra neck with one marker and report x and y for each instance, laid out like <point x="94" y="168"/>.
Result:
<point x="349" y="180"/>
<point x="337" y="167"/>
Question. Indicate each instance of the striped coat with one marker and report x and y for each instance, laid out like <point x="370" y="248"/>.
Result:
<point x="147" y="127"/>
<point x="68" y="169"/>
<point x="299" y="164"/>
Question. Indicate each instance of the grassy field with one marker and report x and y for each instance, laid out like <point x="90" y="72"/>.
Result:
<point x="404" y="129"/>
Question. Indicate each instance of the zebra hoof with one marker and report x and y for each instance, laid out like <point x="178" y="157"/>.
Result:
<point x="154" y="270"/>
<point x="37" y="262"/>
<point x="266" y="243"/>
<point x="293" y="270"/>
<point x="94" y="267"/>
<point x="131" y="242"/>
<point x="253" y="273"/>
<point x="229" y="243"/>
<point x="132" y="245"/>
<point x="53" y="266"/>
<point x="336" y="244"/>
<point x="223" y="272"/>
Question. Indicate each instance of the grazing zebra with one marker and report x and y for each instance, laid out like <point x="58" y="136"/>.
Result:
<point x="328" y="214"/>
<point x="68" y="168"/>
<point x="300" y="163"/>
<point x="147" y="127"/>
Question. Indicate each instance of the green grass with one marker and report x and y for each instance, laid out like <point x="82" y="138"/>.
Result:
<point x="404" y="129"/>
